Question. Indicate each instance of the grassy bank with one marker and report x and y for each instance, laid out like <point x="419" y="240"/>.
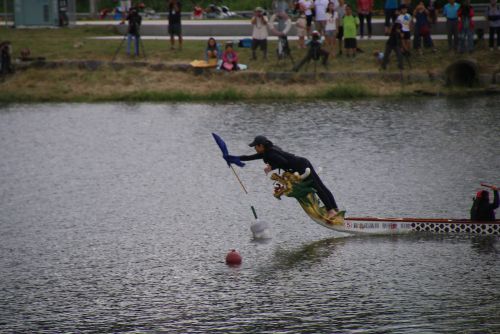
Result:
<point x="143" y="84"/>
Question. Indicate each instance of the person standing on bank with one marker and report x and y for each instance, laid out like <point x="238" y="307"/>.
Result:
<point x="365" y="9"/>
<point x="134" y="29"/>
<point x="320" y="15"/>
<point x="493" y="17"/>
<point x="466" y="27"/>
<point x="450" y="11"/>
<point x="174" y="23"/>
<point x="276" y="158"/>
<point x="394" y="43"/>
<point x="260" y="32"/>
<point x="5" y="58"/>
<point x="482" y="209"/>
<point x="351" y="24"/>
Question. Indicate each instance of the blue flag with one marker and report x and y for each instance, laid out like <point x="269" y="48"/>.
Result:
<point x="230" y="159"/>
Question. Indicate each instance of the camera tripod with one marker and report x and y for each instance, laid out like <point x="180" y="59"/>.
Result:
<point x="283" y="50"/>
<point x="137" y="36"/>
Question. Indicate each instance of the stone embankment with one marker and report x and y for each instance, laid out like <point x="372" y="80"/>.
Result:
<point x="460" y="73"/>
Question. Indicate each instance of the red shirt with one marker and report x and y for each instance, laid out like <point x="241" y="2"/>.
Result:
<point x="364" y="6"/>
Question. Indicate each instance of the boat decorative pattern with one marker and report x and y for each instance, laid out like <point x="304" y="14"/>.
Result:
<point x="486" y="229"/>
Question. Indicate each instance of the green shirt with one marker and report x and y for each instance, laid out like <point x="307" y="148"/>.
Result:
<point x="351" y="24"/>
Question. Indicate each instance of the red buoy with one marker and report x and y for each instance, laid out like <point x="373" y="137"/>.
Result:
<point x="233" y="258"/>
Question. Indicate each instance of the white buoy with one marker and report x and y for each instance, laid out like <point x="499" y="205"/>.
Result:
<point x="260" y="230"/>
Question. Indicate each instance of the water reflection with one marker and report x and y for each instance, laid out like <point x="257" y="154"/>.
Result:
<point x="485" y="244"/>
<point x="306" y="255"/>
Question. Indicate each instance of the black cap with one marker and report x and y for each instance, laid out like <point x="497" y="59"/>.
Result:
<point x="260" y="140"/>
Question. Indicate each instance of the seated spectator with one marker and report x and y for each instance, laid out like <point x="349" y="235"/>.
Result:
<point x="229" y="59"/>
<point x="213" y="56"/>
<point x="213" y="52"/>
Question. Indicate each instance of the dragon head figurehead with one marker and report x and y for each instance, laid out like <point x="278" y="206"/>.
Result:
<point x="301" y="188"/>
<point x="292" y="184"/>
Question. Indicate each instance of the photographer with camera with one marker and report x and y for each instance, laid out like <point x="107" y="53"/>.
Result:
<point x="260" y="32"/>
<point x="282" y="29"/>
<point x="134" y="28"/>
<point x="315" y="52"/>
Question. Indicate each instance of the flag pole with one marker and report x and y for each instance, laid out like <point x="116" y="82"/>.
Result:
<point x="225" y="155"/>
<point x="239" y="180"/>
<point x="244" y="189"/>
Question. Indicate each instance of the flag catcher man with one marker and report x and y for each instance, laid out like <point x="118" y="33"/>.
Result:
<point x="276" y="158"/>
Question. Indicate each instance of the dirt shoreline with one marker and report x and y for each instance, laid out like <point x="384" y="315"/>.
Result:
<point x="95" y="81"/>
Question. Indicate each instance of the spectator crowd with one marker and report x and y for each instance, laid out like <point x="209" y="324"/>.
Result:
<point x="330" y="28"/>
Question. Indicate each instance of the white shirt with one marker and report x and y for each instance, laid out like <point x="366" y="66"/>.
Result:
<point x="320" y="7"/>
<point x="260" y="29"/>
<point x="307" y="6"/>
<point x="405" y="22"/>
<point x="331" y="21"/>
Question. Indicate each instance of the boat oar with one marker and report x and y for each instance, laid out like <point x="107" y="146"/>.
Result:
<point x="488" y="185"/>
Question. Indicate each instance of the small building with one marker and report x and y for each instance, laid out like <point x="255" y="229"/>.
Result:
<point x="48" y="13"/>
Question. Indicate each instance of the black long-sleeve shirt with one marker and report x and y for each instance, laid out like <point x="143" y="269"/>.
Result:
<point x="134" y="22"/>
<point x="485" y="211"/>
<point x="277" y="158"/>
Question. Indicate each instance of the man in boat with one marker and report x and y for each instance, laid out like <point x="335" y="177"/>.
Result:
<point x="276" y="158"/>
<point x="482" y="209"/>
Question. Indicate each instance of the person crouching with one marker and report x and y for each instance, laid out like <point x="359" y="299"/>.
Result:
<point x="315" y="52"/>
<point x="394" y="43"/>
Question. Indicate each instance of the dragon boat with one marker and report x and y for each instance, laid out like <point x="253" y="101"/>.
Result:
<point x="300" y="187"/>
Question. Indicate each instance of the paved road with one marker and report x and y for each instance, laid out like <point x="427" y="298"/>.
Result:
<point x="241" y="28"/>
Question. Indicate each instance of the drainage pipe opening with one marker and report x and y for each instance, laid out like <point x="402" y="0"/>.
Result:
<point x="462" y="73"/>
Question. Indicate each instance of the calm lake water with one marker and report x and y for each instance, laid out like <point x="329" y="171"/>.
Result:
<point x="117" y="218"/>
